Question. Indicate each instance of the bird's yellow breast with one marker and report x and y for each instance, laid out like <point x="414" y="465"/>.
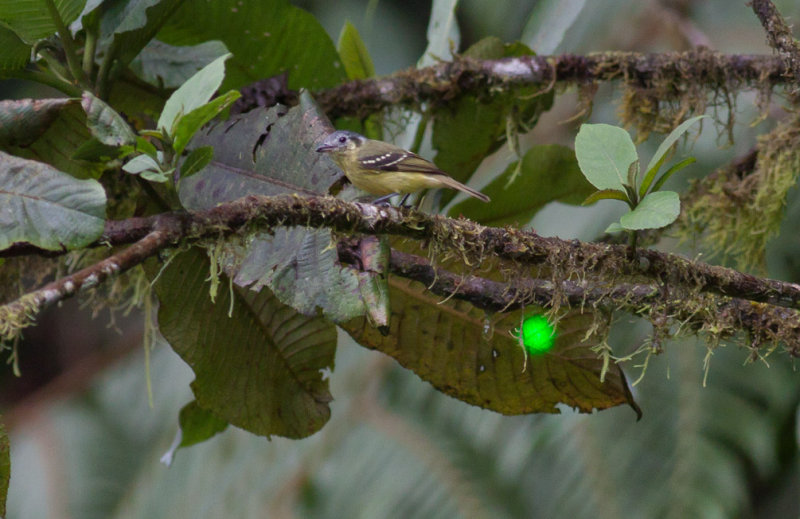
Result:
<point x="386" y="182"/>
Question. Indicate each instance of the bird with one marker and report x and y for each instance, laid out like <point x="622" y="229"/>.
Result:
<point x="383" y="169"/>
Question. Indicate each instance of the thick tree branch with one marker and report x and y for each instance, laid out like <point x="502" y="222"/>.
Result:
<point x="463" y="237"/>
<point x="447" y="80"/>
<point x="779" y="35"/>
<point x="763" y="323"/>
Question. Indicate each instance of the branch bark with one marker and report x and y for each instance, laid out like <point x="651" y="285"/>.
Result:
<point x="460" y="236"/>
<point x="651" y="278"/>
<point x="779" y="35"/>
<point x="447" y="80"/>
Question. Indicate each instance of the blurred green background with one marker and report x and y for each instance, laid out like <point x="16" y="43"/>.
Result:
<point x="86" y="444"/>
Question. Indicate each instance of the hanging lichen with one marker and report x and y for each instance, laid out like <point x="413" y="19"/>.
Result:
<point x="737" y="210"/>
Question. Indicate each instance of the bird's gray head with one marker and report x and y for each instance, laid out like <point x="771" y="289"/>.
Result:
<point x="340" y="141"/>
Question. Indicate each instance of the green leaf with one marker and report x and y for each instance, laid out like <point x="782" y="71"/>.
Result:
<point x="127" y="26"/>
<point x="49" y="131"/>
<point x="141" y="163"/>
<point x="197" y="160"/>
<point x="146" y="147"/>
<point x="23" y="121"/>
<point x="266" y="37"/>
<point x="31" y="20"/>
<point x="271" y="152"/>
<point x="259" y="369"/>
<point x="46" y="207"/>
<point x="477" y="359"/>
<point x="605" y="153"/>
<point x="188" y="124"/>
<point x="663" y="150"/>
<point x="671" y="171"/>
<point x="548" y="173"/>
<point x="656" y="210"/>
<point x="16" y="53"/>
<point x="548" y="22"/>
<point x="193" y="94"/>
<point x="156" y="175"/>
<point x="354" y="54"/>
<point x="614" y="227"/>
<point x="198" y="424"/>
<point x="95" y="151"/>
<point x="168" y="66"/>
<point x="105" y="123"/>
<point x="606" y="194"/>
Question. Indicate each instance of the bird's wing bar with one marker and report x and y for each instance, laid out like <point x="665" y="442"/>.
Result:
<point x="403" y="161"/>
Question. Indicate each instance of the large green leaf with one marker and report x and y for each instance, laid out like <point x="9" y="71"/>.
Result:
<point x="548" y="173"/>
<point x="31" y="19"/>
<point x="46" y="207"/>
<point x="23" y="121"/>
<point x="605" y="153"/>
<point x="476" y="358"/>
<point x="16" y="52"/>
<point x="107" y="126"/>
<point x="259" y="368"/>
<point x="47" y="130"/>
<point x="272" y="152"/>
<point x="266" y="38"/>
<point x="467" y="130"/>
<point x="169" y="66"/>
<point x="127" y="26"/>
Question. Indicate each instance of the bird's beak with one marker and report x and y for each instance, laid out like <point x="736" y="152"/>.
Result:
<point x="324" y="148"/>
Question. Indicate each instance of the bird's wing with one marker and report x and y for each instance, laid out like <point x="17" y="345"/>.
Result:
<point x="392" y="158"/>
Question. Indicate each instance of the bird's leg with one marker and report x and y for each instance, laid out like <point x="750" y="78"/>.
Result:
<point x="403" y="200"/>
<point x="384" y="199"/>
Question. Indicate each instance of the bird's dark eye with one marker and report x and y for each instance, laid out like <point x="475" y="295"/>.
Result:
<point x="342" y="139"/>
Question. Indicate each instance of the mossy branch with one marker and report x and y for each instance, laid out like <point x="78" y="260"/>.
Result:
<point x="683" y="71"/>
<point x="779" y="35"/>
<point x="472" y="241"/>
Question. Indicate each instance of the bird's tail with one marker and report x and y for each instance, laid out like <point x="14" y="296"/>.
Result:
<point x="455" y="184"/>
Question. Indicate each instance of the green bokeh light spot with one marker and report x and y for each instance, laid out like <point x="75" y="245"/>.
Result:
<point x="538" y="335"/>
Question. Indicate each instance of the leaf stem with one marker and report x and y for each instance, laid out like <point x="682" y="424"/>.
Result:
<point x="69" y="44"/>
<point x="632" y="239"/>
<point x="89" y="49"/>
<point x="55" y="66"/>
<point x="103" y="85"/>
